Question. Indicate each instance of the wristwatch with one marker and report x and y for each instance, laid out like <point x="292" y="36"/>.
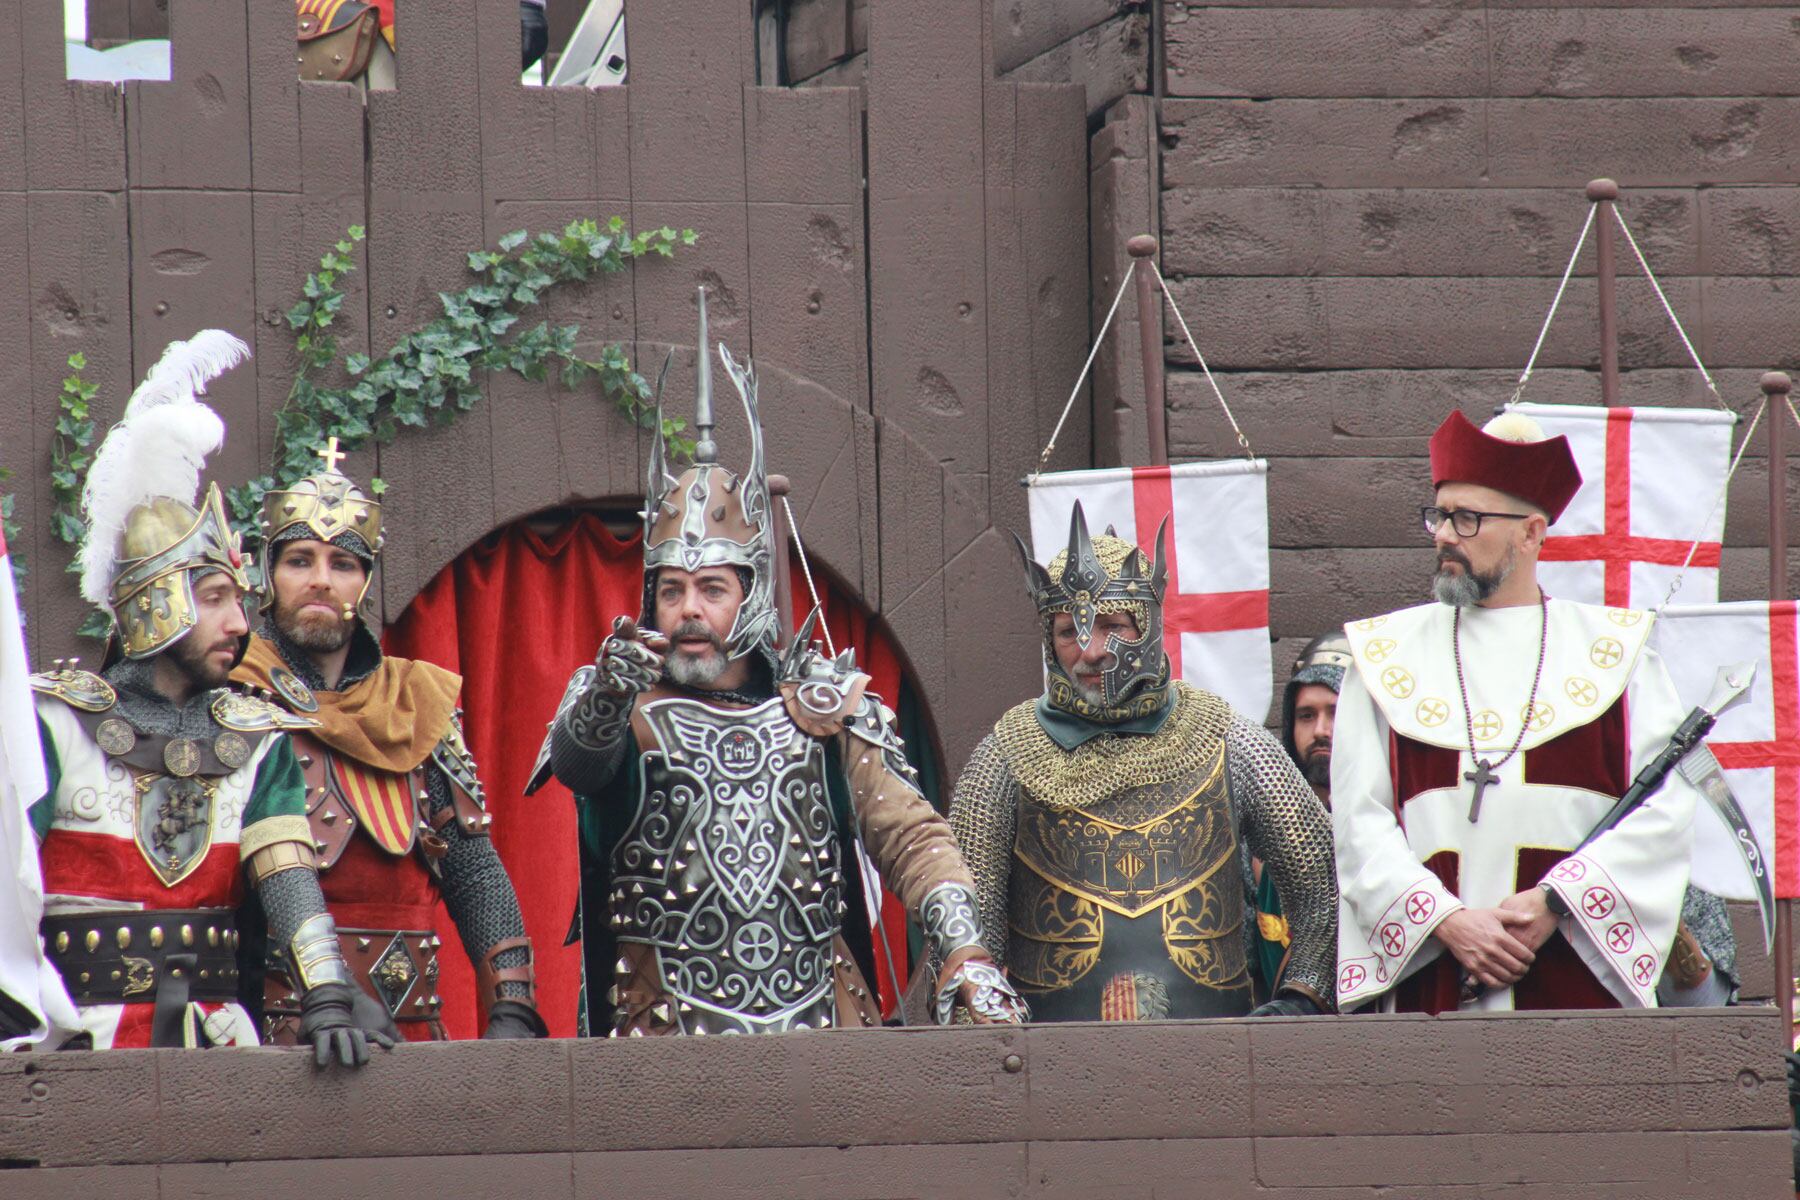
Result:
<point x="1553" y="900"/>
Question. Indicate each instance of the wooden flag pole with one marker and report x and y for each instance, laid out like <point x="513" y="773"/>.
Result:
<point x="1142" y="249"/>
<point x="1776" y="386"/>
<point x="1604" y="193"/>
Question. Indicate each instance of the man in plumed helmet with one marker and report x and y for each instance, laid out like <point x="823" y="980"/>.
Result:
<point x="168" y="792"/>
<point x="1479" y="740"/>
<point x="1106" y="820"/>
<point x="393" y="799"/>
<point x="723" y="790"/>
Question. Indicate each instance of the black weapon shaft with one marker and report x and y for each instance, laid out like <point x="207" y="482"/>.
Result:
<point x="1686" y="736"/>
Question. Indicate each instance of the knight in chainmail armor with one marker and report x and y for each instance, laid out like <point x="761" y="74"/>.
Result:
<point x="1106" y="820"/>
<point x="723" y="790"/>
<point x="393" y="799"/>
<point x="169" y="794"/>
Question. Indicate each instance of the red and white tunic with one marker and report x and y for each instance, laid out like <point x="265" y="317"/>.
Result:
<point x="1408" y="853"/>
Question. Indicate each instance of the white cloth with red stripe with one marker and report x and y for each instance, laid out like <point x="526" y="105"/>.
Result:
<point x="1652" y="483"/>
<point x="25" y="973"/>
<point x="1624" y="891"/>
<point x="1216" y="607"/>
<point x="1757" y="740"/>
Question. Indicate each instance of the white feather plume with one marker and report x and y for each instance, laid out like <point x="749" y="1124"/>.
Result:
<point x="157" y="449"/>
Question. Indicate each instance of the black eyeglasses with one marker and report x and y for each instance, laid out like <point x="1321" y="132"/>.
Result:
<point x="1466" y="521"/>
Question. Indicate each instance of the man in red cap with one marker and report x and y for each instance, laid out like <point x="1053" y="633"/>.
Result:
<point x="1478" y="740"/>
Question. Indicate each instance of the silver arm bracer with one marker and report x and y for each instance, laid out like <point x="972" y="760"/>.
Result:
<point x="587" y="737"/>
<point x="1285" y="825"/>
<point x="984" y="815"/>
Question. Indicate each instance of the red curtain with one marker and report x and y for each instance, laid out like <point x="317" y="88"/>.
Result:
<point x="515" y="615"/>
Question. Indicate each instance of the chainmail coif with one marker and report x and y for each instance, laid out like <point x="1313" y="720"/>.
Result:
<point x="1278" y="817"/>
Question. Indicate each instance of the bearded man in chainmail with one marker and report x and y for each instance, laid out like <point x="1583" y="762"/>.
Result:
<point x="168" y="792"/>
<point x="723" y="792"/>
<point x="393" y="798"/>
<point x="1105" y="820"/>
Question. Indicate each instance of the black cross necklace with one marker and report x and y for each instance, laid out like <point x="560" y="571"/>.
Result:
<point x="1484" y="773"/>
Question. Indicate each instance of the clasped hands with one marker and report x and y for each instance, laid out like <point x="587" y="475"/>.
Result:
<point x="1496" y="946"/>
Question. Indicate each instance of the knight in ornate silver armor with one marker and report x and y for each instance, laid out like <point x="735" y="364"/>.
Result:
<point x="1107" y="820"/>
<point x="723" y="790"/>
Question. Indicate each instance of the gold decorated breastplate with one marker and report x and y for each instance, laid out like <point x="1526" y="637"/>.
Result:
<point x="1131" y="907"/>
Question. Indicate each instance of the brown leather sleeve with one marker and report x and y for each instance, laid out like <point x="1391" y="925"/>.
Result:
<point x="489" y="977"/>
<point x="910" y="842"/>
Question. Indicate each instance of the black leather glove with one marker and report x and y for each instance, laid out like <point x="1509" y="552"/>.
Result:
<point x="1288" y="1004"/>
<point x="514" y="1019"/>
<point x="372" y="1017"/>
<point x="327" y="1021"/>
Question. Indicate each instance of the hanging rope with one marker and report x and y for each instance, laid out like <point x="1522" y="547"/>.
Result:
<point x="1044" y="458"/>
<point x="1736" y="459"/>
<point x="1555" y="301"/>
<point x="1213" y="383"/>
<point x="806" y="569"/>
<point x="1669" y="309"/>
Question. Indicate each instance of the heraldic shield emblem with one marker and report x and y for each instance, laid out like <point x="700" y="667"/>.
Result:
<point x="174" y="823"/>
<point x="383" y="801"/>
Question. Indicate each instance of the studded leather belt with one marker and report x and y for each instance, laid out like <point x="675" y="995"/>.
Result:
<point x="166" y="957"/>
<point x="396" y="966"/>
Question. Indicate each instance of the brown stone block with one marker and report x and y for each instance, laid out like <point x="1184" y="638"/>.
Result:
<point x="193" y="268"/>
<point x="926" y="78"/>
<point x="560" y="143"/>
<point x="1677" y="4"/>
<point x="441" y="519"/>
<point x="274" y="99"/>
<point x="693" y="44"/>
<point x="1431" y="51"/>
<point x="194" y="130"/>
<point x="12" y="100"/>
<point x="684" y="150"/>
<point x="916" y="619"/>
<point x="1318" y="589"/>
<point x="74" y="1108"/>
<point x="973" y="1172"/>
<point x="1755" y="968"/>
<point x="1427" y="1160"/>
<point x="400" y="1178"/>
<point x="1748" y="319"/>
<point x="82" y="1183"/>
<point x="74" y="131"/>
<point x="1366" y="1075"/>
<point x="806" y="269"/>
<point x="803" y="146"/>
<point x="1121" y="1170"/>
<point x="992" y="641"/>
<point x="1643" y="143"/>
<point x="425" y="135"/>
<point x="1166" y="1079"/>
<point x="1331" y="143"/>
<point x="1329" y="4"/>
<point x="233" y="1105"/>
<point x="1107" y="61"/>
<point x="1645" y="50"/>
<point x="666" y="290"/>
<point x="1023" y="31"/>
<point x="1721" y="1158"/>
<point x="1261" y="323"/>
<point x="813" y="439"/>
<point x="807" y="1090"/>
<point x="1411" y="231"/>
<point x="19" y="420"/>
<point x="1347" y="502"/>
<point x="912" y="499"/>
<point x="1750" y="230"/>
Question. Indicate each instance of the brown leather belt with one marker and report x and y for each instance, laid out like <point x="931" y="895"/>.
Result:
<point x="398" y="967"/>
<point x="166" y="957"/>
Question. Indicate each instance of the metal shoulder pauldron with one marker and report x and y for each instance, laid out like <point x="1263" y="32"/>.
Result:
<point x="248" y="714"/>
<point x="79" y="689"/>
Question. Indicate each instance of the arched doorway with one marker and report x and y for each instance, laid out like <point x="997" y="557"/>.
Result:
<point x="515" y="614"/>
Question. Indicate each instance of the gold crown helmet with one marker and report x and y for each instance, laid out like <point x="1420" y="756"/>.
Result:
<point x="149" y="533"/>
<point x="325" y="506"/>
<point x="709" y="517"/>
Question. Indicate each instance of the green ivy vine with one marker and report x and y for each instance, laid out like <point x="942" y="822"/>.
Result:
<point x="429" y="377"/>
<point x="71" y="453"/>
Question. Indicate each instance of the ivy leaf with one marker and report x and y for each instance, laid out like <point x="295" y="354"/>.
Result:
<point x="513" y="240"/>
<point x="356" y="364"/>
<point x="299" y="315"/>
<point x="377" y="486"/>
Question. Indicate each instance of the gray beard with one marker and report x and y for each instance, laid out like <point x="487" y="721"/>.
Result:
<point x="1093" y="695"/>
<point x="691" y="671"/>
<point x="1468" y="587"/>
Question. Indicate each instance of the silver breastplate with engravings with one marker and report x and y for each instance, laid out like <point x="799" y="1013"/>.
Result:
<point x="730" y="870"/>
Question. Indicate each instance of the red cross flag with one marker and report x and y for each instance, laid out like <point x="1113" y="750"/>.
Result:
<point x="1216" y="606"/>
<point x="1650" y="477"/>
<point x="1757" y="740"/>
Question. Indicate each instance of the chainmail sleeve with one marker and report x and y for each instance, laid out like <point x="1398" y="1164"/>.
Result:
<point x="288" y="898"/>
<point x="478" y="893"/>
<point x="984" y="815"/>
<point x="1286" y="826"/>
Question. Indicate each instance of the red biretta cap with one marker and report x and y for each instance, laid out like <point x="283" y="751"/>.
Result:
<point x="1541" y="473"/>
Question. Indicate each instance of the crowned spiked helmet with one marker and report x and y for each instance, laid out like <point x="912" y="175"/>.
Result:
<point x="1091" y="576"/>
<point x="709" y="517"/>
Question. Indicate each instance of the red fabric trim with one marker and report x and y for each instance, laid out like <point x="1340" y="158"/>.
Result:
<point x="1594" y="757"/>
<point x="371" y="889"/>
<point x="1153" y="501"/>
<point x="1782" y="753"/>
<point x="1558" y="977"/>
<point x="1416" y="767"/>
<point x="1542" y="473"/>
<point x="111" y="868"/>
<point x="514" y="615"/>
<point x="1437" y="986"/>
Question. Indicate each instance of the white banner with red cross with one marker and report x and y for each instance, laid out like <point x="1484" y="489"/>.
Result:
<point x="1757" y="740"/>
<point x="1216" y="606"/>
<point x="1651" y="485"/>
